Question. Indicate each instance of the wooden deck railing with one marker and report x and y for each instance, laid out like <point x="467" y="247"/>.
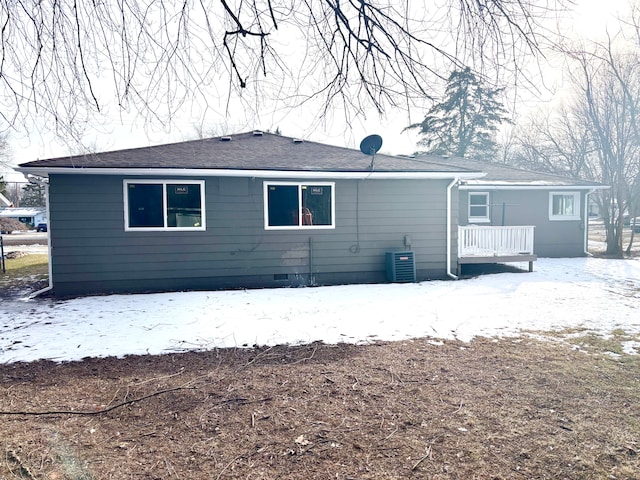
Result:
<point x="489" y="241"/>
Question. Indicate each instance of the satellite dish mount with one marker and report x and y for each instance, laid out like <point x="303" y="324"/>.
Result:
<point x="370" y="146"/>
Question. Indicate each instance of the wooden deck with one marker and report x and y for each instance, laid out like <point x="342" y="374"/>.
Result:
<point x="488" y="244"/>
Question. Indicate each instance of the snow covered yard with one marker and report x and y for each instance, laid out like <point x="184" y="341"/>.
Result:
<point x="595" y="295"/>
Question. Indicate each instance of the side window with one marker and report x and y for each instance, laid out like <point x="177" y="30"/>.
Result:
<point x="564" y="206"/>
<point x="164" y="205"/>
<point x="479" y="207"/>
<point x="299" y="205"/>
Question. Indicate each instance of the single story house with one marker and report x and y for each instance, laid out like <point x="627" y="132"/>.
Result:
<point x="247" y="210"/>
<point x="255" y="210"/>
<point x="30" y="216"/>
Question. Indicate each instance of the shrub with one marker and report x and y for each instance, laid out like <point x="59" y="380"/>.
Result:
<point x="8" y="225"/>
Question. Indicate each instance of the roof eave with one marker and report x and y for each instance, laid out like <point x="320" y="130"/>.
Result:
<point x="196" y="172"/>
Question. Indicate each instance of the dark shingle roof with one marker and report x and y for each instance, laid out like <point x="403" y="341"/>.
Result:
<point x="497" y="174"/>
<point x="247" y="151"/>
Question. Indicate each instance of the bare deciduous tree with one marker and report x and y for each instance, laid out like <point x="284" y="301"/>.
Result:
<point x="595" y="137"/>
<point x="610" y="90"/>
<point x="4" y="159"/>
<point x="556" y="142"/>
<point x="67" y="60"/>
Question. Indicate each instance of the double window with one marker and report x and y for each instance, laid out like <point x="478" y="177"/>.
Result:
<point x="564" y="206"/>
<point x="299" y="205"/>
<point x="164" y="205"/>
<point x="478" y="207"/>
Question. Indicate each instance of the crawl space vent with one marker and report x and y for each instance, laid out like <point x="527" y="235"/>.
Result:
<point x="225" y="139"/>
<point x="401" y="267"/>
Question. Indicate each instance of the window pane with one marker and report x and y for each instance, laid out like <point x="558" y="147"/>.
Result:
<point x="283" y="205"/>
<point x="478" y="205"/>
<point x="477" y="199"/>
<point x="563" y="205"/>
<point x="184" y="207"/>
<point x="477" y="211"/>
<point x="557" y="205"/>
<point x="568" y="205"/>
<point x="145" y="205"/>
<point x="316" y="205"/>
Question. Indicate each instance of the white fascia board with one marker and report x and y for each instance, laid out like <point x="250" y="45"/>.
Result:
<point x="175" y="172"/>
<point x="532" y="186"/>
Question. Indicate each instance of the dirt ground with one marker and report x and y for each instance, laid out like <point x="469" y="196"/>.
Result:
<point x="489" y="409"/>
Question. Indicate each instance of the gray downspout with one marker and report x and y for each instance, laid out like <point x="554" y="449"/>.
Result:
<point x="450" y="274"/>
<point x="50" y="285"/>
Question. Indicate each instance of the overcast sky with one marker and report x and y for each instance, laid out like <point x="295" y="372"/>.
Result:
<point x="589" y="21"/>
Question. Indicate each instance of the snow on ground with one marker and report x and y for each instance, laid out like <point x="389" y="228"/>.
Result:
<point x="598" y="295"/>
<point x="30" y="249"/>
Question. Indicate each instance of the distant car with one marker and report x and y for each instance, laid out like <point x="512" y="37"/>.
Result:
<point x="42" y="227"/>
<point x="633" y="222"/>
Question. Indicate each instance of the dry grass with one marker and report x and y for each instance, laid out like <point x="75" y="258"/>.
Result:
<point x="35" y="262"/>
<point x="513" y="408"/>
<point x="617" y="342"/>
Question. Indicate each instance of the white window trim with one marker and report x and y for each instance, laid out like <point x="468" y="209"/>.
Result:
<point x="164" y="183"/>
<point x="475" y="219"/>
<point x="576" y="210"/>
<point x="299" y="185"/>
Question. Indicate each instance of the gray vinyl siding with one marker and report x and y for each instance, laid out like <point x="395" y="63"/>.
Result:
<point x="92" y="253"/>
<point x="557" y="238"/>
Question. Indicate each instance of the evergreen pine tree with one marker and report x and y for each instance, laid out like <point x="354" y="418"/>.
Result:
<point x="32" y="196"/>
<point x="465" y="122"/>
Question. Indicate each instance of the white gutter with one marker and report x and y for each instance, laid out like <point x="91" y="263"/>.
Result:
<point x="223" y="172"/>
<point x="449" y="188"/>
<point x="50" y="263"/>
<point x="557" y="186"/>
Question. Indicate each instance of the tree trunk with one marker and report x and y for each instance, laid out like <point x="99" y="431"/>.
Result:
<point x="614" y="238"/>
<point x="633" y="234"/>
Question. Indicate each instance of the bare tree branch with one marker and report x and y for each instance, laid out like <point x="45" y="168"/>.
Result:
<point x="66" y="60"/>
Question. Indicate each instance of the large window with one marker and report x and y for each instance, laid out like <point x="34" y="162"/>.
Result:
<point x="299" y="205"/>
<point x="164" y="205"/>
<point x="564" y="206"/>
<point x="478" y="207"/>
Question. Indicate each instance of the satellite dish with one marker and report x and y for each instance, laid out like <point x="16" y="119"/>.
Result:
<point x="371" y="144"/>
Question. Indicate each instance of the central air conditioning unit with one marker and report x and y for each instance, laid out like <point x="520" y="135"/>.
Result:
<point x="401" y="267"/>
